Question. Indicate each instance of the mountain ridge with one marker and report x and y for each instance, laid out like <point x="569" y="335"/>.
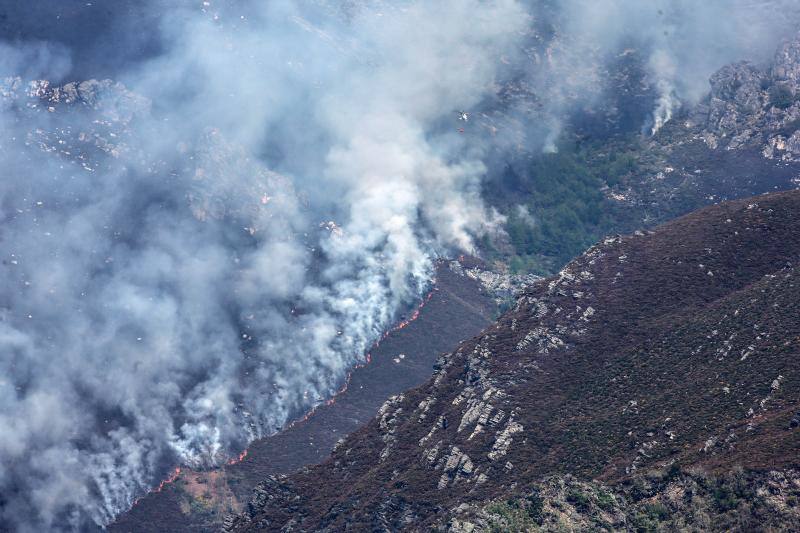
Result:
<point x="689" y="335"/>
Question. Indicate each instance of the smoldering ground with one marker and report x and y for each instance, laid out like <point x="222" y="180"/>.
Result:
<point x="172" y="287"/>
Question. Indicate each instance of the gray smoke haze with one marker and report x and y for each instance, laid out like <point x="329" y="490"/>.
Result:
<point x="193" y="260"/>
<point x="166" y="296"/>
<point x="576" y="49"/>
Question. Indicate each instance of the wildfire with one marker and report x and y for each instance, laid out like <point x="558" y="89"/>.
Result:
<point x="415" y="315"/>
<point x="175" y="474"/>
<point x="332" y="400"/>
<point x="238" y="459"/>
<point x="170" y="479"/>
<point x="368" y="357"/>
<point x="405" y="323"/>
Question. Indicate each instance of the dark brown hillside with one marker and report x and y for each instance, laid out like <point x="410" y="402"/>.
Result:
<point x="678" y="346"/>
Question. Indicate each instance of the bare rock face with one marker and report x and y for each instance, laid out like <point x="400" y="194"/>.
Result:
<point x="272" y="489"/>
<point x="739" y="86"/>
<point x="101" y="125"/>
<point x="749" y="107"/>
<point x="737" y="100"/>
<point x="110" y="99"/>
<point x="786" y="66"/>
<point x="90" y="124"/>
<point x="500" y="283"/>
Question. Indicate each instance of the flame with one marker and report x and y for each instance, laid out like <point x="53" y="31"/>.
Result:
<point x="405" y="323"/>
<point x="367" y="358"/>
<point x="415" y="315"/>
<point x="238" y="459"/>
<point x="170" y="479"/>
<point x="175" y="474"/>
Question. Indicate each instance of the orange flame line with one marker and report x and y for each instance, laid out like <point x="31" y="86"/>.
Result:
<point x="238" y="459"/>
<point x="368" y="359"/>
<point x="175" y="474"/>
<point x="170" y="479"/>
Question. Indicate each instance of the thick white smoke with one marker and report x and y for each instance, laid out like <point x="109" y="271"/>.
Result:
<point x="167" y="296"/>
<point x="667" y="101"/>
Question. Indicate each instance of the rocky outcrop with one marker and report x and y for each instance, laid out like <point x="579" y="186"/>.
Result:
<point x="268" y="492"/>
<point x="786" y="66"/>
<point x="736" y="87"/>
<point x="751" y="107"/>
<point x="100" y="125"/>
<point x="110" y="99"/>
<point x="669" y="500"/>
<point x="87" y="123"/>
<point x="497" y="281"/>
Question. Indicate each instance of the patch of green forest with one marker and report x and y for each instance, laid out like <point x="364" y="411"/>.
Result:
<point x="556" y="204"/>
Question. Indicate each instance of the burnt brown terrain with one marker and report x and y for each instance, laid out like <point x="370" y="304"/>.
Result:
<point x="668" y="350"/>
<point x="457" y="308"/>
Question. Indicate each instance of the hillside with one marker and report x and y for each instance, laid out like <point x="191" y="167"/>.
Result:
<point x="741" y="139"/>
<point x="198" y="500"/>
<point x="672" y="349"/>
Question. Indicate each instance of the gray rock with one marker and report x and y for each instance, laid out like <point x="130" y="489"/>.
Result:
<point x="786" y="66"/>
<point x="737" y="95"/>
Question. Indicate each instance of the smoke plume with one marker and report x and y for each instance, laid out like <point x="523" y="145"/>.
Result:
<point x="195" y="258"/>
<point x="581" y="58"/>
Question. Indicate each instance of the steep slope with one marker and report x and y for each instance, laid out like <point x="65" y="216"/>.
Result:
<point x="457" y="308"/>
<point x="678" y="346"/>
